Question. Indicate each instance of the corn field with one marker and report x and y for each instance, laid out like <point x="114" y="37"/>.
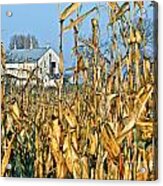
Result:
<point x="106" y="127"/>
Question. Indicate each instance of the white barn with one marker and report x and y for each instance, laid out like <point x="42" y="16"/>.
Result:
<point x="44" y="60"/>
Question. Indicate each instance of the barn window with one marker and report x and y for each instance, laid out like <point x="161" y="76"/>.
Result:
<point x="53" y="64"/>
<point x="52" y="68"/>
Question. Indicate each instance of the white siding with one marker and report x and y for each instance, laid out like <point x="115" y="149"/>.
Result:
<point x="43" y="63"/>
<point x="45" y="59"/>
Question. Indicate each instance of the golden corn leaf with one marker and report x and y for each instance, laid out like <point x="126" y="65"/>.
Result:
<point x="3" y="56"/>
<point x="93" y="143"/>
<point x="77" y="169"/>
<point x="138" y="108"/>
<point x="120" y="13"/>
<point x="69" y="10"/>
<point x="74" y="154"/>
<point x="70" y="117"/>
<point x="143" y="100"/>
<point x="75" y="141"/>
<point x="80" y="64"/>
<point x="71" y="157"/>
<point x="78" y="20"/>
<point x="85" y="168"/>
<point x="98" y="167"/>
<point x="91" y="107"/>
<point x="126" y="170"/>
<point x="95" y="32"/>
<point x="56" y="130"/>
<point x="146" y="68"/>
<point x="36" y="162"/>
<point x="123" y="9"/>
<point x="137" y="54"/>
<point x="138" y="36"/>
<point x="85" y="75"/>
<point x="66" y="143"/>
<point x="61" y="168"/>
<point x="48" y="163"/>
<point x="69" y="161"/>
<point x="147" y="123"/>
<point x="40" y="166"/>
<point x="139" y="94"/>
<point x="109" y="142"/>
<point x="55" y="149"/>
<point x="110" y="97"/>
<point x="15" y="110"/>
<point x="130" y="124"/>
<point x="38" y="116"/>
<point x="61" y="63"/>
<point x="140" y="4"/>
<point x="113" y="5"/>
<point x="132" y="38"/>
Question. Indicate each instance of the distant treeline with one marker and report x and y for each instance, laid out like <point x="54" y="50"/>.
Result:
<point x="23" y="42"/>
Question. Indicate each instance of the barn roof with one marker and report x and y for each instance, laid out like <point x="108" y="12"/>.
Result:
<point x="22" y="55"/>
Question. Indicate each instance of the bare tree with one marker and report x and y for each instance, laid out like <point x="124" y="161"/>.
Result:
<point x="23" y="41"/>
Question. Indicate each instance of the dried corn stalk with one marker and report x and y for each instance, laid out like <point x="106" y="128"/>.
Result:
<point x="100" y="128"/>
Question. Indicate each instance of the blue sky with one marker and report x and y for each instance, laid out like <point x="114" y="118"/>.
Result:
<point x="42" y="20"/>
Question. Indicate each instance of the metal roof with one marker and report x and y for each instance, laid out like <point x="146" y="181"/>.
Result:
<point x="24" y="55"/>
